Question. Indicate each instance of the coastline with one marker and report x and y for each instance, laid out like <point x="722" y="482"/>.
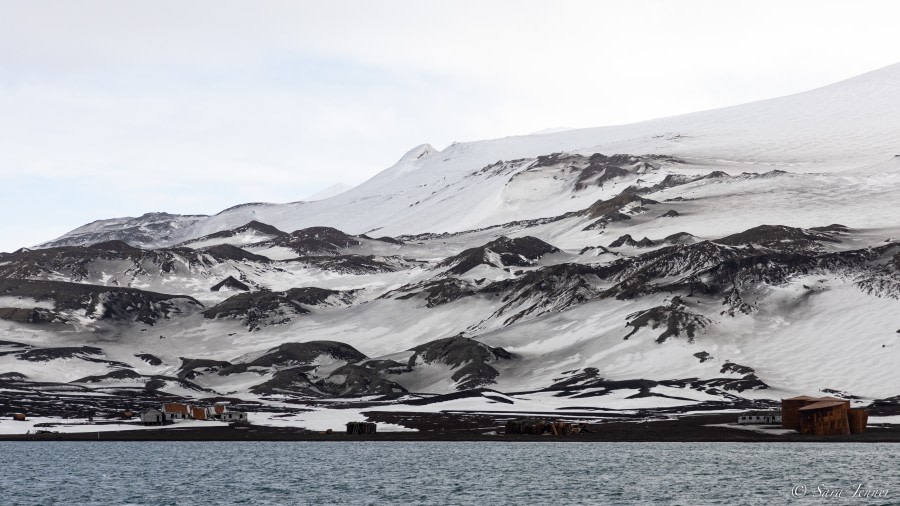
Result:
<point x="702" y="428"/>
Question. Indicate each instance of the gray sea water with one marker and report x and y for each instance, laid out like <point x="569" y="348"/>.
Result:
<point x="445" y="473"/>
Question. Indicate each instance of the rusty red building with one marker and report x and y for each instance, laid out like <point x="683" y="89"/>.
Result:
<point x="822" y="416"/>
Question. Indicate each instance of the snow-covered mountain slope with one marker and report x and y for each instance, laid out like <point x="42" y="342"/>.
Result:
<point x="144" y="231"/>
<point x="326" y="193"/>
<point x="838" y="127"/>
<point x="720" y="264"/>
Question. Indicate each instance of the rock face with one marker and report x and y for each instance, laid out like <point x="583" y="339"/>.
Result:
<point x="98" y="302"/>
<point x="608" y="209"/>
<point x="502" y="252"/>
<point x="300" y="354"/>
<point x="545" y="290"/>
<point x="352" y="264"/>
<point x="252" y="227"/>
<point x="320" y="369"/>
<point x="33" y="315"/>
<point x="469" y="359"/>
<point x="627" y="240"/>
<point x="258" y="309"/>
<point x="780" y="237"/>
<point x="144" y="231"/>
<point x="674" y="317"/>
<point x="115" y="263"/>
<point x="315" y="241"/>
<point x="230" y="283"/>
<point x="438" y="291"/>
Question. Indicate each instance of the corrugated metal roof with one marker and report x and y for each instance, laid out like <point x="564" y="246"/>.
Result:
<point x="175" y="408"/>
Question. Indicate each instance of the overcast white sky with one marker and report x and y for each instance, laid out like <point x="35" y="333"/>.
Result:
<point x="116" y="108"/>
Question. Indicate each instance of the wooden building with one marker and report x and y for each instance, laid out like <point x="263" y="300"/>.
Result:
<point x="822" y="416"/>
<point x="859" y="419"/>
<point x="538" y="427"/>
<point x="198" y="413"/>
<point x="176" y="411"/>
<point x="790" y="410"/>
<point x="361" y="428"/>
<point x="825" y="418"/>
<point x="526" y="426"/>
<point x="19" y="417"/>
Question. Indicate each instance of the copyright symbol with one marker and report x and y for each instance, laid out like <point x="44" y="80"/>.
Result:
<point x="799" y="490"/>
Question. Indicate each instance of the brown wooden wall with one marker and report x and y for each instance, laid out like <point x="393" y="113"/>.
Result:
<point x="858" y="418"/>
<point x="790" y="412"/>
<point x="831" y="421"/>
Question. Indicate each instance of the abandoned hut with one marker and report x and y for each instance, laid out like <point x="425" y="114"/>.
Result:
<point x="538" y="427"/>
<point x="152" y="416"/>
<point x="760" y="418"/>
<point x="790" y="410"/>
<point x="822" y="416"/>
<point x="233" y="416"/>
<point x="859" y="419"/>
<point x="198" y="413"/>
<point x="176" y="411"/>
<point x="526" y="426"/>
<point x="361" y="428"/>
<point x="825" y="418"/>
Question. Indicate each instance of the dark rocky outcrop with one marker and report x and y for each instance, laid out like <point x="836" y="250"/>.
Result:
<point x="352" y="264"/>
<point x="230" y="283"/>
<point x="784" y="238"/>
<point x="193" y="367"/>
<point x="118" y="374"/>
<point x="34" y="315"/>
<point x="150" y="359"/>
<point x="679" y="238"/>
<point x="606" y="208"/>
<point x="222" y="252"/>
<point x="271" y="308"/>
<point x="100" y="302"/>
<point x="703" y="356"/>
<point x="470" y="359"/>
<point x="539" y="291"/>
<point x="501" y="252"/>
<point x="674" y="317"/>
<point x="356" y="380"/>
<point x="144" y="230"/>
<point x="436" y="291"/>
<point x="93" y="263"/>
<point x="86" y="353"/>
<point x="627" y="240"/>
<point x="251" y="226"/>
<point x="316" y="241"/>
<point x="298" y="354"/>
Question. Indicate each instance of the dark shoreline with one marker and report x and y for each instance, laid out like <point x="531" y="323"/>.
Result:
<point x="683" y="430"/>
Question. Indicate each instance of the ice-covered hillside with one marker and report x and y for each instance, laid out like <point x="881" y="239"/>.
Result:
<point x="838" y="127"/>
<point x="707" y="260"/>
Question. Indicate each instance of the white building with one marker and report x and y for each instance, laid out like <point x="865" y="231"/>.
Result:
<point x="152" y="416"/>
<point x="760" y="418"/>
<point x="234" y="416"/>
